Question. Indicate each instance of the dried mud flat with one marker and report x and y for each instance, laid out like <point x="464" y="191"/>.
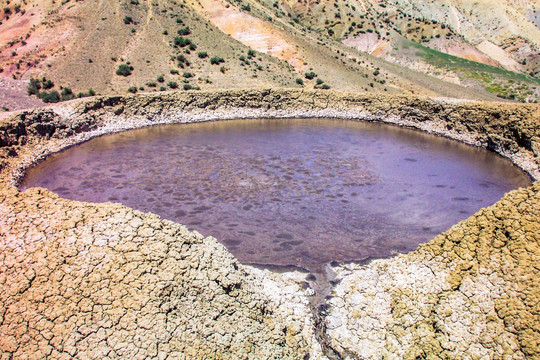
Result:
<point x="82" y="280"/>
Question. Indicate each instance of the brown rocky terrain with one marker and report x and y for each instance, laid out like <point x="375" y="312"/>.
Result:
<point x="83" y="280"/>
<point x="452" y="48"/>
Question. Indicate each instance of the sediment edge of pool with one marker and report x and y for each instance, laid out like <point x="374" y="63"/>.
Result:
<point x="102" y="280"/>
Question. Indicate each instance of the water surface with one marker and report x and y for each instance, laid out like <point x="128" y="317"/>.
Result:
<point x="300" y="192"/>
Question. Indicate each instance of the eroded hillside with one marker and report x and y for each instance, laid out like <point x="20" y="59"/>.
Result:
<point x="444" y="48"/>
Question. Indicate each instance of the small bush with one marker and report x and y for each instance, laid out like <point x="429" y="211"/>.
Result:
<point x="320" y="81"/>
<point x="184" y="31"/>
<point x="165" y="32"/>
<point x="187" y="87"/>
<point x="192" y="47"/>
<point x="124" y="70"/>
<point x="172" y="84"/>
<point x="182" y="60"/>
<point x="181" y="41"/>
<point x="151" y="84"/>
<point x="251" y="53"/>
<point x="310" y="75"/>
<point x="299" y="81"/>
<point x="67" y="94"/>
<point x="188" y="75"/>
<point x="50" y="96"/>
<point x="246" y="7"/>
<point x="160" y="78"/>
<point x="33" y="87"/>
<point x="162" y="88"/>
<point x="216" y="60"/>
<point x="325" y="87"/>
<point x="47" y="84"/>
<point x="174" y="72"/>
<point x="128" y="20"/>
<point x="202" y="54"/>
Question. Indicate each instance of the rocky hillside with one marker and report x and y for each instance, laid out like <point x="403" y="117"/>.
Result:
<point x="453" y="48"/>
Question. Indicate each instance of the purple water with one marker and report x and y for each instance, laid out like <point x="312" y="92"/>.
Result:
<point x="300" y="192"/>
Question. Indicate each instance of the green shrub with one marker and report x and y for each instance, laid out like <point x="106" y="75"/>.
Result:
<point x="310" y="75"/>
<point x="151" y="84"/>
<point x="128" y="20"/>
<point x="184" y="31"/>
<point x="50" y="96"/>
<point x="67" y="94"/>
<point x="325" y="87"/>
<point x="124" y="70"/>
<point x="174" y="72"/>
<point x="33" y="87"/>
<point x="299" y="81"/>
<point x="188" y="75"/>
<point x="182" y="60"/>
<point x="187" y="87"/>
<point x="251" y="53"/>
<point x="320" y="81"/>
<point x="216" y="60"/>
<point x="202" y="54"/>
<point x="160" y="78"/>
<point x="172" y="84"/>
<point x="246" y="7"/>
<point x="162" y="88"/>
<point x="47" y="84"/>
<point x="181" y="41"/>
<point x="132" y="89"/>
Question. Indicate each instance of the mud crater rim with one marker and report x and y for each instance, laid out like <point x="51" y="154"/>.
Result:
<point x="278" y="267"/>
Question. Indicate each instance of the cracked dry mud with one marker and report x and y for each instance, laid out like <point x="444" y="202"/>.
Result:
<point x="104" y="281"/>
<point x="80" y="280"/>
<point x="472" y="292"/>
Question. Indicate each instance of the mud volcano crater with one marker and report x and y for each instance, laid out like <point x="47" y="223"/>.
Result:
<point x="295" y="192"/>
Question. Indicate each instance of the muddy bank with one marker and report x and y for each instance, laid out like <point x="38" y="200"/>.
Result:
<point x="93" y="281"/>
